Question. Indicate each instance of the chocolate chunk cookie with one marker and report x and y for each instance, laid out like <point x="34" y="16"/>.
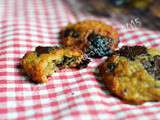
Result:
<point x="42" y="62"/>
<point x="95" y="38"/>
<point x="133" y="74"/>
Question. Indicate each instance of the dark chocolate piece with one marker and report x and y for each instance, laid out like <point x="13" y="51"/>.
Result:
<point x="99" y="46"/>
<point x="71" y="32"/>
<point x="84" y="63"/>
<point x="131" y="52"/>
<point x="111" y="67"/>
<point x="41" y="50"/>
<point x="153" y="66"/>
<point x="66" y="61"/>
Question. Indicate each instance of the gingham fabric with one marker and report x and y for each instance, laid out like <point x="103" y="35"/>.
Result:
<point x="70" y="94"/>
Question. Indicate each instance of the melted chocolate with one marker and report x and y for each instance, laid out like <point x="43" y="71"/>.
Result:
<point x="111" y="67"/>
<point x="99" y="46"/>
<point x="84" y="63"/>
<point x="132" y="52"/>
<point x="41" y="50"/>
<point x="153" y="66"/>
<point x="71" y="32"/>
<point x="66" y="61"/>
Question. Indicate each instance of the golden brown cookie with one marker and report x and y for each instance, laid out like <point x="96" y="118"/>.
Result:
<point x="93" y="37"/>
<point x="42" y="62"/>
<point x="133" y="74"/>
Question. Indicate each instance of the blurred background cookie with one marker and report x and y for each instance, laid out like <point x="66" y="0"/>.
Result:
<point x="155" y="8"/>
<point x="124" y="11"/>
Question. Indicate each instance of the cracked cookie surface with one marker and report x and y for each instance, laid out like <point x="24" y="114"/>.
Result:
<point x="133" y="74"/>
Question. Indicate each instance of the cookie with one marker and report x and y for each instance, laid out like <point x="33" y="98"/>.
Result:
<point x="155" y="8"/>
<point x="94" y="38"/>
<point x="44" y="61"/>
<point x="119" y="2"/>
<point x="133" y="74"/>
<point x="140" y="4"/>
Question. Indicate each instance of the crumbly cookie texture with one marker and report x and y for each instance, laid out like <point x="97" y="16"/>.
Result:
<point x="42" y="62"/>
<point x="133" y="74"/>
<point x="93" y="37"/>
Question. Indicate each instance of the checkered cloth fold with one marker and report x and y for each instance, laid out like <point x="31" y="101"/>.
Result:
<point x="70" y="94"/>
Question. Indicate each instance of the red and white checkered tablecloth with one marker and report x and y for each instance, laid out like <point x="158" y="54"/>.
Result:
<point x="70" y="94"/>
